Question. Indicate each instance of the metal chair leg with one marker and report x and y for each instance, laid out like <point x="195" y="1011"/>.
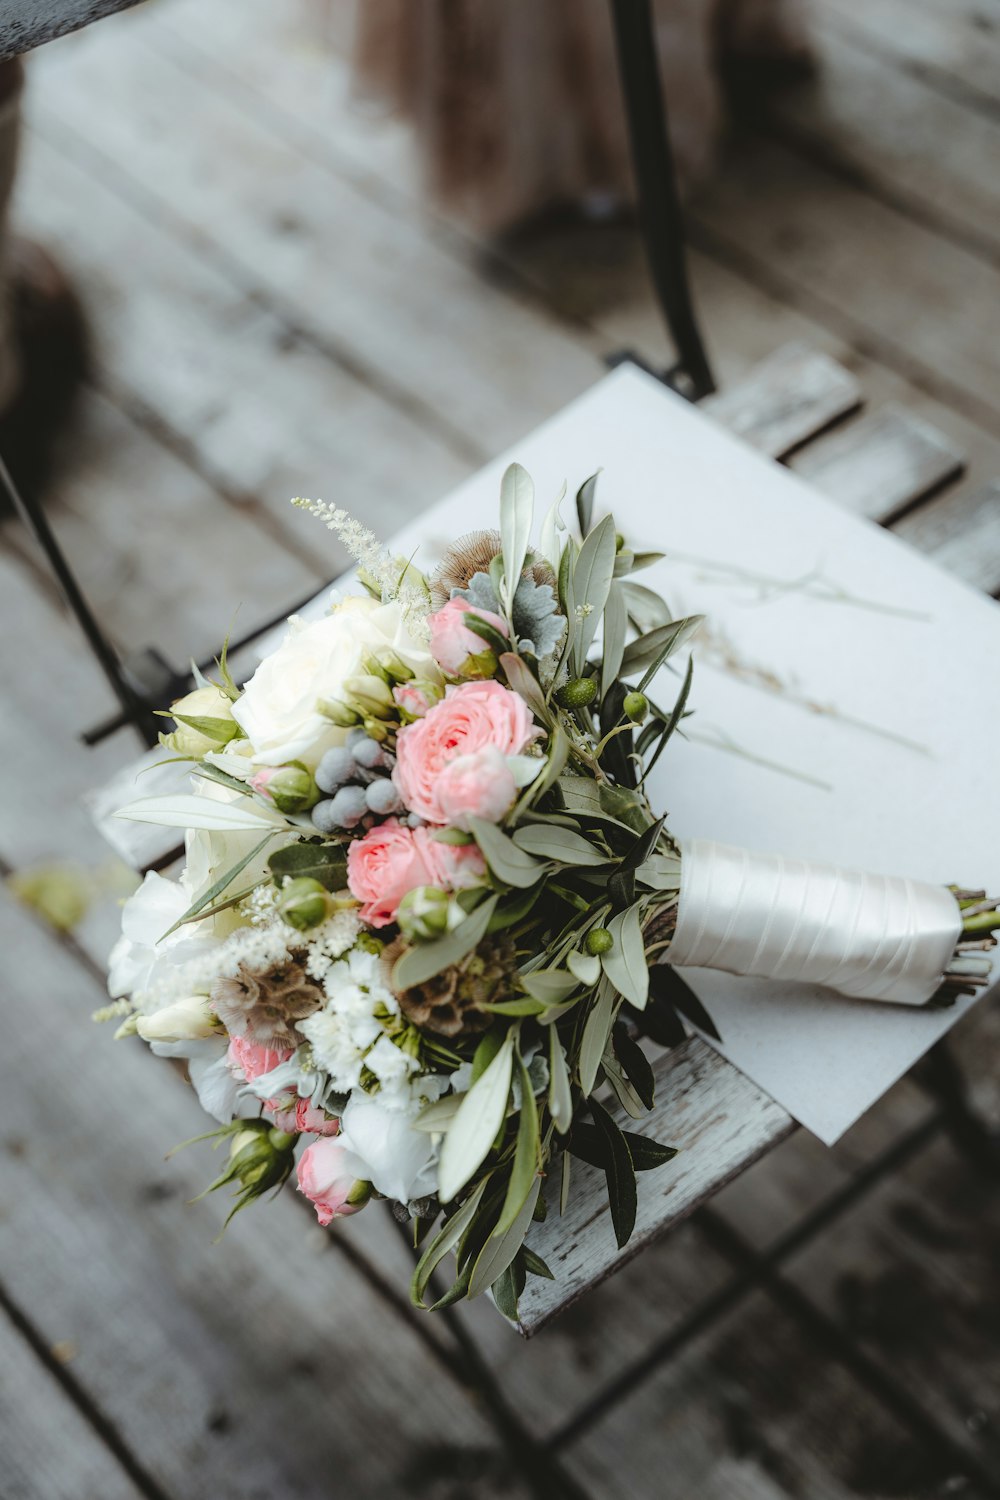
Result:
<point x="659" y="201"/>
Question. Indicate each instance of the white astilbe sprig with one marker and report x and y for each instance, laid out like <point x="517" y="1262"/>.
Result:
<point x="395" y="577"/>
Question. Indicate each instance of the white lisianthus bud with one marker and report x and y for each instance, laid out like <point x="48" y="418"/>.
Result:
<point x="369" y="695"/>
<point x="190" y="1019"/>
<point x="204" y="722"/>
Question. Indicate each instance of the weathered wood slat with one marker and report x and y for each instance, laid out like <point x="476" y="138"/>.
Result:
<point x="29" y="23"/>
<point x="963" y="533"/>
<point x="207" y="1363"/>
<point x="786" y="400"/>
<point x="880" y="464"/>
<point x="49" y="1450"/>
<point x="719" y="1120"/>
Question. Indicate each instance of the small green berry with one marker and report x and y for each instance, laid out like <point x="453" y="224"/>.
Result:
<point x="598" y="941"/>
<point x="635" y="706"/>
<point x="577" y="693"/>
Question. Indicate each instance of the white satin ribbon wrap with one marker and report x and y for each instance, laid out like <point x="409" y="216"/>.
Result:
<point x="875" y="937"/>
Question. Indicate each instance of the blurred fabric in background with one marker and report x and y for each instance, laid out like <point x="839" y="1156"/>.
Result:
<point x="517" y="106"/>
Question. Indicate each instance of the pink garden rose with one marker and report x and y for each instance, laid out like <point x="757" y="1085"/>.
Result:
<point x="303" y="1118"/>
<point x="471" y="717"/>
<point x="326" y="1180"/>
<point x="253" y="1058"/>
<point x="479" y="785"/>
<point x="382" y="867"/>
<point x="415" y="698"/>
<point x="452" y="642"/>
<point x="392" y="859"/>
<point x="453" y="867"/>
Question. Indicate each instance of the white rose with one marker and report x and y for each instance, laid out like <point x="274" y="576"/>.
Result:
<point x="383" y="1148"/>
<point x="278" y="711"/>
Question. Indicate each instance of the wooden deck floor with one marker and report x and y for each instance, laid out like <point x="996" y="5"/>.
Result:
<point x="275" y="313"/>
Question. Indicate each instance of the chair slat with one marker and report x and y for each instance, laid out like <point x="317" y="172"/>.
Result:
<point x="786" y="400"/>
<point x="28" y="23"/>
<point x="880" y="464"/>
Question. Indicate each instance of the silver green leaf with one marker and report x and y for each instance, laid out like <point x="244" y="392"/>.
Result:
<point x="476" y="1123"/>
<point x="625" y="963"/>
<point x="550" y="841"/>
<point x="424" y="960"/>
<point x="509" y="863"/>
<point x="517" y="505"/>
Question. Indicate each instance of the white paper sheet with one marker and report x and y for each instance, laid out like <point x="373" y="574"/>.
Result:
<point x="884" y="715"/>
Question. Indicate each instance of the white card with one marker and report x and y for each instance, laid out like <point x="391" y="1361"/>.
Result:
<point x="856" y="689"/>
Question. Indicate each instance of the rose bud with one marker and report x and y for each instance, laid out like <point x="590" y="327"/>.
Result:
<point x="326" y="1180"/>
<point x="304" y="903"/>
<point x="338" y="713"/>
<point x="184" y="1020"/>
<point x="423" y="913"/>
<point x="459" y="650"/>
<point x="291" y="789"/>
<point x="370" y="696"/>
<point x="414" y="699"/>
<point x="204" y="721"/>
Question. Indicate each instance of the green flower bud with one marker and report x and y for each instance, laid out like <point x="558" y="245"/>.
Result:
<point x="304" y="903"/>
<point x="375" y="730"/>
<point x="635" y="706"/>
<point x="577" y="693"/>
<point x="291" y="788"/>
<point x="479" y="665"/>
<point x="370" y="696"/>
<point x="598" y="941"/>
<point x="359" y="1194"/>
<point x="423" y="913"/>
<point x="204" y="721"/>
<point x="619" y="541"/>
<point x="338" y="713"/>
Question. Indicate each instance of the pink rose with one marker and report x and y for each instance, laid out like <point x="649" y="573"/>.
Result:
<point x="469" y="718"/>
<point x="382" y="867"/>
<point x="415" y="698"/>
<point x="452" y="642"/>
<point x="326" y="1181"/>
<point x="479" y="785"/>
<point x="453" y="867"/>
<point x="253" y="1058"/>
<point x="303" y="1118"/>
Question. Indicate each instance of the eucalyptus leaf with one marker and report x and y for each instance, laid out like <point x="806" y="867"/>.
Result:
<point x="651" y="650"/>
<point x="517" y="504"/>
<point x="675" y="716"/>
<point x="549" y="841"/>
<point x="475" y="1126"/>
<point x="625" y="963"/>
<point x="636" y="1065"/>
<point x="586" y="966"/>
<point x="646" y="609"/>
<point x="585" y="497"/>
<point x="326" y="863"/>
<point x="535" y="1265"/>
<point x="215" y="890"/>
<point x="560" y="1091"/>
<point x="424" y="960"/>
<point x="525" y="684"/>
<point x="504" y="1291"/>
<point x="595" y="1036"/>
<point x="508" y="862"/>
<point x="550" y="986"/>
<point x="186" y="810"/>
<point x="444" y="1241"/>
<point x="619" y="1172"/>
<point x="500" y="1249"/>
<point x="527" y="1163"/>
<point x="613" y="645"/>
<point x="592" y="576"/>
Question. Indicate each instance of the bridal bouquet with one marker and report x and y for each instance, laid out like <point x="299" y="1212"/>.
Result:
<point x="428" y="914"/>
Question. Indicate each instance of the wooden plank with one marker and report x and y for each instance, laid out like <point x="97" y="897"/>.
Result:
<point x="50" y="1452"/>
<point x="786" y="400"/>
<point x="719" y="1120"/>
<point x="473" y="361"/>
<point x="895" y="134"/>
<point x="863" y="268"/>
<point x="220" y="1364"/>
<point x="260" y="412"/>
<point x="963" y="534"/>
<point x="29" y="23"/>
<point x="757" y="1409"/>
<point x="953" y="43"/>
<point x="880" y="464"/>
